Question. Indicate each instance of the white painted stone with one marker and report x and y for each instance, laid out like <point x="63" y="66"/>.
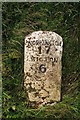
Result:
<point x="42" y="67"/>
<point x="43" y="93"/>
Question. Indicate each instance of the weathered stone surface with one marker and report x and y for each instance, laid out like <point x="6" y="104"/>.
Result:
<point x="42" y="67"/>
<point x="43" y="93"/>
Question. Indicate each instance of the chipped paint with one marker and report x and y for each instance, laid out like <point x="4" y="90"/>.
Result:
<point x="42" y="67"/>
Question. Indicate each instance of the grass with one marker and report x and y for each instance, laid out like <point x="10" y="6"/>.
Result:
<point x="21" y="19"/>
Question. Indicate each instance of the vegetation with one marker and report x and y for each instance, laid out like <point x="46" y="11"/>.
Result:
<point x="20" y="19"/>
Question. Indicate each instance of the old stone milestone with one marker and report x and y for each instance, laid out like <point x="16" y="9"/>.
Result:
<point x="42" y="67"/>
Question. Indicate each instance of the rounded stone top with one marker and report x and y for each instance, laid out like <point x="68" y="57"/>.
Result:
<point x="45" y="38"/>
<point x="45" y="35"/>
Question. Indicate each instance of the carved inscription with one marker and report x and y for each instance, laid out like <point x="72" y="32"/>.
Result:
<point x="42" y="67"/>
